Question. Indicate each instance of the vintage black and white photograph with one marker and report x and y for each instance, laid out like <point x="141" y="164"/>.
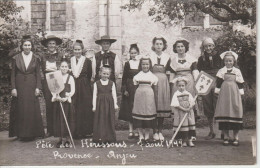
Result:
<point x="128" y="82"/>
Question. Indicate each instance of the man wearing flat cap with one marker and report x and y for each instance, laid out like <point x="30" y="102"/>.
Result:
<point x="105" y="57"/>
<point x="50" y="61"/>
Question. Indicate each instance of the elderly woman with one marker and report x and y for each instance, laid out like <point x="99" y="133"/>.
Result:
<point x="209" y="62"/>
<point x="25" y="115"/>
<point x="50" y="61"/>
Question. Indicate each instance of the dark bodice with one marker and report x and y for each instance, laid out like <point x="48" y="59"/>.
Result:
<point x="19" y="70"/>
<point x="210" y="63"/>
<point x="66" y="88"/>
<point x="104" y="89"/>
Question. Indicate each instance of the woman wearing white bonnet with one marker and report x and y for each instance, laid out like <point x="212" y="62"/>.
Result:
<point x="209" y="62"/>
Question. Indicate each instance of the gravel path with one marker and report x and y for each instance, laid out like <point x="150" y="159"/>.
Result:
<point x="14" y="152"/>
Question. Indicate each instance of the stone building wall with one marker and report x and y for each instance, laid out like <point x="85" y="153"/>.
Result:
<point x="87" y="20"/>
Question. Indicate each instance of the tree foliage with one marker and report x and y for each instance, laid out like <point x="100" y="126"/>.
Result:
<point x="8" y="9"/>
<point x="245" y="47"/>
<point x="174" y="11"/>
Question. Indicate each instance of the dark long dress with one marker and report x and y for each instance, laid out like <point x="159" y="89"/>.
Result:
<point x="210" y="66"/>
<point x="25" y="114"/>
<point x="59" y="125"/>
<point x="83" y="101"/>
<point x="52" y="58"/>
<point x="104" y="121"/>
<point x="127" y="102"/>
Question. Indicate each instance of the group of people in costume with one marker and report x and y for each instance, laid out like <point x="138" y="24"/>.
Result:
<point x="154" y="87"/>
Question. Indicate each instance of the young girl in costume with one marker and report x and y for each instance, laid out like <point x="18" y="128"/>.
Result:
<point x="104" y="106"/>
<point x="144" y="110"/>
<point x="161" y="65"/>
<point x="59" y="126"/>
<point x="128" y="89"/>
<point x="82" y="71"/>
<point x="182" y="103"/>
<point x="229" y="109"/>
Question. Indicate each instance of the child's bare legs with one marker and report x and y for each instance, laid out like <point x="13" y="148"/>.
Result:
<point x="235" y="134"/>
<point x="131" y="134"/>
<point x="141" y="136"/>
<point x="227" y="138"/>
<point x="146" y="134"/>
<point x="160" y="128"/>
<point x="130" y="127"/>
<point x="140" y="131"/>
<point x="226" y="134"/>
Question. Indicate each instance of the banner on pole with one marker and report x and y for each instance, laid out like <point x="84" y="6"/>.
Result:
<point x="55" y="81"/>
<point x="204" y="83"/>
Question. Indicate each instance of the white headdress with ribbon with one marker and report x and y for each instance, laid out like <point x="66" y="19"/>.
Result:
<point x="181" y="78"/>
<point x="229" y="52"/>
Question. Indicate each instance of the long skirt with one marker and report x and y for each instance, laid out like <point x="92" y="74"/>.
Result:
<point x="188" y="127"/>
<point x="127" y="103"/>
<point x="209" y="103"/>
<point x="104" y="120"/>
<point x="83" y="107"/>
<point x="59" y="127"/>
<point x="162" y="95"/>
<point x="49" y="106"/>
<point x="229" y="110"/>
<point x="144" y="110"/>
<point x="25" y="113"/>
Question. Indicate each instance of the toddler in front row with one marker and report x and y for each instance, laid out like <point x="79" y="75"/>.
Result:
<point x="182" y="103"/>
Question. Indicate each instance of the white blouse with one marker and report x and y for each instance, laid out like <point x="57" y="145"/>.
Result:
<point x="175" y="102"/>
<point x="27" y="59"/>
<point x="72" y="88"/>
<point x="134" y="64"/>
<point x="95" y="94"/>
<point x="164" y="58"/>
<point x="76" y="68"/>
<point x="145" y="77"/>
<point x="176" y="66"/>
<point x="239" y="78"/>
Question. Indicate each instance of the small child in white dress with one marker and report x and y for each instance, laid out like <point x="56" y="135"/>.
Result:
<point x="182" y="103"/>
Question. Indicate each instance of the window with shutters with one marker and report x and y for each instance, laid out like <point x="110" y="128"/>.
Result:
<point x="57" y="15"/>
<point x="38" y="14"/>
<point x="199" y="19"/>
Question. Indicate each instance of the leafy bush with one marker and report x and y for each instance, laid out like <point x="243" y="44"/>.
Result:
<point x="245" y="47"/>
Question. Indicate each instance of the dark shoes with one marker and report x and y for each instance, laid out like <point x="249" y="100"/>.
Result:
<point x="67" y="144"/>
<point x="59" y="144"/>
<point x="210" y="136"/>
